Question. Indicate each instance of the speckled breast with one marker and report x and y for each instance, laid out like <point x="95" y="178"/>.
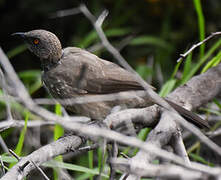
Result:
<point x="56" y="86"/>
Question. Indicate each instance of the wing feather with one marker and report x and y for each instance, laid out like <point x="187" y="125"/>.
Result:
<point x="99" y="76"/>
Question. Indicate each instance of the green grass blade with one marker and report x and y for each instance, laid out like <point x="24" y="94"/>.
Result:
<point x="19" y="146"/>
<point x="8" y="159"/>
<point x="58" y="132"/>
<point x="100" y="157"/>
<point x="18" y="107"/>
<point x="200" y="159"/>
<point x="19" y="49"/>
<point x="90" y="159"/>
<point x="196" y="67"/>
<point x="31" y="79"/>
<point x="201" y="24"/>
<point x="167" y="87"/>
<point x="211" y="111"/>
<point x="29" y="74"/>
<point x="142" y="136"/>
<point x="144" y="71"/>
<point x="72" y="167"/>
<point x="151" y="40"/>
<point x="217" y="103"/>
<point x="213" y="62"/>
<point x="92" y="36"/>
<point x="187" y="66"/>
<point x="176" y="69"/>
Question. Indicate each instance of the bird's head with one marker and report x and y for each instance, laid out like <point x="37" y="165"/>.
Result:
<point x="43" y="44"/>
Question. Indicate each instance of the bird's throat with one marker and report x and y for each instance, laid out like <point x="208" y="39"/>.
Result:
<point x="47" y="64"/>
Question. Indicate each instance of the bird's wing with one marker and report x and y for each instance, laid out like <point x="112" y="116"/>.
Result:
<point x="94" y="75"/>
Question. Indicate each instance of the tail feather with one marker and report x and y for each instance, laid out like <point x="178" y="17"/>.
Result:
<point x="189" y="116"/>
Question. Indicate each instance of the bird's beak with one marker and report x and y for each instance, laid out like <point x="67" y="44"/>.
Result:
<point x="19" y="34"/>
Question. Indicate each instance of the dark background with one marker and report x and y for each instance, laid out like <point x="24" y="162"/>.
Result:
<point x="173" y="21"/>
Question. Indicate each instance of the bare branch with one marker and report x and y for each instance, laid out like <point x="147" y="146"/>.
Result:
<point x="5" y="94"/>
<point x="179" y="148"/>
<point x="40" y="170"/>
<point x="45" y="153"/>
<point x="92" y="98"/>
<point x="2" y="165"/>
<point x="101" y="18"/>
<point x="214" y="133"/>
<point x="14" y="154"/>
<point x="197" y="45"/>
<point x="150" y="170"/>
<point x="3" y="145"/>
<point x="20" y="123"/>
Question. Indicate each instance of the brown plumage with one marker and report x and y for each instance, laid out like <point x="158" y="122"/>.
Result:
<point x="74" y="72"/>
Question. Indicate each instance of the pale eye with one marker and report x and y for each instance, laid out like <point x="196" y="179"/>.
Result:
<point x="35" y="41"/>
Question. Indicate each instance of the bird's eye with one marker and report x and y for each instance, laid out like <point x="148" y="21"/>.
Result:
<point x="36" y="41"/>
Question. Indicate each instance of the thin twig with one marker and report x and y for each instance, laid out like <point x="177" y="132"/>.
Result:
<point x="2" y="165"/>
<point x="5" y="94"/>
<point x="197" y="45"/>
<point x="40" y="170"/>
<point x="14" y="154"/>
<point x="113" y="152"/>
<point x="179" y="147"/>
<point x="168" y="171"/>
<point x="214" y="133"/>
<point x="3" y="144"/>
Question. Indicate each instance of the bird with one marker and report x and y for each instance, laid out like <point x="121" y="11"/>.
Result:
<point x="74" y="72"/>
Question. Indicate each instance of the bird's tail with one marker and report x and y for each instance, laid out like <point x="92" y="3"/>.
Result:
<point x="189" y="116"/>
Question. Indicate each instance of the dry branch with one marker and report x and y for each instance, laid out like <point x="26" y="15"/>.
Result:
<point x="196" y="92"/>
<point x="46" y="153"/>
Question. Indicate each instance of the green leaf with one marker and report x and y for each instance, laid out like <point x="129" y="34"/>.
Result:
<point x="92" y="36"/>
<point x="72" y="167"/>
<point x="217" y="103"/>
<point x="196" y="67"/>
<point x="29" y="74"/>
<point x="151" y="40"/>
<point x="100" y="158"/>
<point x="32" y="80"/>
<point x="19" y="49"/>
<point x="90" y="159"/>
<point x="201" y="24"/>
<point x="144" y="71"/>
<point x="187" y="66"/>
<point x="8" y="159"/>
<point x="117" y="32"/>
<point x="213" y="62"/>
<point x="18" y="107"/>
<point x="20" y="144"/>
<point x="200" y="159"/>
<point x="167" y="87"/>
<point x="176" y="69"/>
<point x="142" y="136"/>
<point x="211" y="111"/>
<point x="18" y="149"/>
<point x="58" y="132"/>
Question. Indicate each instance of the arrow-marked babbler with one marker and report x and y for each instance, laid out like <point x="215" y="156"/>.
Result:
<point x="73" y="72"/>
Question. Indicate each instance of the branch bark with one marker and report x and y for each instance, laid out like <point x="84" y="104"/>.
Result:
<point x="61" y="146"/>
